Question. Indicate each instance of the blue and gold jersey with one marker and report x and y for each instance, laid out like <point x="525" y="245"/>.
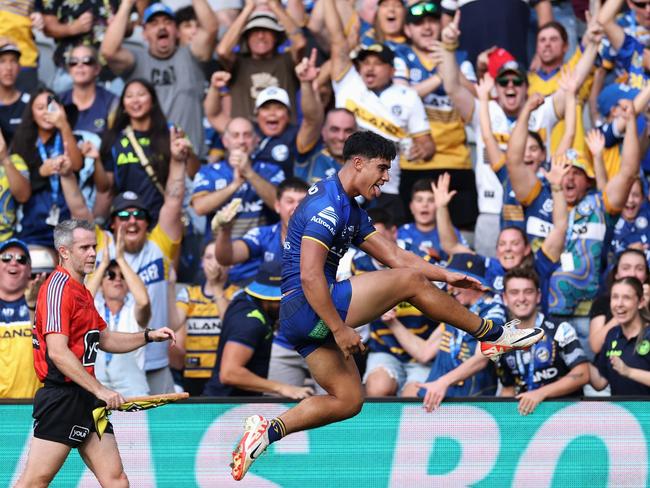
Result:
<point x="329" y="217"/>
<point x="447" y="127"/>
<point x="630" y="58"/>
<point x="550" y="359"/>
<point x="264" y="244"/>
<point x="538" y="213"/>
<point x="512" y="213"/>
<point x="630" y="26"/>
<point x="457" y="346"/>
<point x="424" y="244"/>
<point x="316" y="165"/>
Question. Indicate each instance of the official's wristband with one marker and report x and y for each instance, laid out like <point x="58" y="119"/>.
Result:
<point x="147" y="339"/>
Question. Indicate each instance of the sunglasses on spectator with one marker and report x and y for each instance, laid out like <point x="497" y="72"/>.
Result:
<point x="111" y="275"/>
<point x="125" y="215"/>
<point x="86" y="60"/>
<point x="640" y="4"/>
<point x="21" y="259"/>
<point x="423" y="9"/>
<point x="506" y="81"/>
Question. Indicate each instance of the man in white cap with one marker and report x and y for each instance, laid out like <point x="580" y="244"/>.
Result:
<point x="167" y="66"/>
<point x="259" y="64"/>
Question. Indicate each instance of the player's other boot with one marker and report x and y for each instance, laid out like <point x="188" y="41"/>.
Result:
<point x="511" y="339"/>
<point x="253" y="443"/>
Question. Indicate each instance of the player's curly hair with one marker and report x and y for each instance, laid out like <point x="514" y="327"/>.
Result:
<point x="369" y="145"/>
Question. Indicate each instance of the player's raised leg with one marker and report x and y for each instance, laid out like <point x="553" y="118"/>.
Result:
<point x="44" y="460"/>
<point x="337" y="375"/>
<point x="103" y="458"/>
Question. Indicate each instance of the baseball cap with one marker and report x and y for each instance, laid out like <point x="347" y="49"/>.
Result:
<point x="471" y="265"/>
<point x="14" y="242"/>
<point x="128" y="199"/>
<point x="155" y="9"/>
<point x="611" y="94"/>
<point x="263" y="20"/>
<point x="10" y="48"/>
<point x="270" y="94"/>
<point x="266" y="285"/>
<point x="382" y="51"/>
<point x="420" y="10"/>
<point x="578" y="160"/>
<point x="501" y="62"/>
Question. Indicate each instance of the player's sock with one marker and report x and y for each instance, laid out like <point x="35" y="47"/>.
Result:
<point x="277" y="430"/>
<point x="489" y="331"/>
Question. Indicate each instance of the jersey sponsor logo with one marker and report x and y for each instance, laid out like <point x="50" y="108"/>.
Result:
<point x="328" y="213"/>
<point x="78" y="433"/>
<point x="641" y="222"/>
<point x="545" y="374"/>
<point x="12" y="332"/>
<point x="269" y="256"/>
<point x="320" y="221"/>
<point x="542" y="354"/>
<point x="592" y="231"/>
<point x="203" y="325"/>
<point x="643" y="348"/>
<point x="251" y="207"/>
<point x="91" y="346"/>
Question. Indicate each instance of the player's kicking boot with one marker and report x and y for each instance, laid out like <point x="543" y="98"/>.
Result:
<point x="511" y="339"/>
<point x="252" y="444"/>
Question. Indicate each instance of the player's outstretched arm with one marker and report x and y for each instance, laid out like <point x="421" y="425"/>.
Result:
<point x="119" y="342"/>
<point x="390" y="254"/>
<point x="313" y="254"/>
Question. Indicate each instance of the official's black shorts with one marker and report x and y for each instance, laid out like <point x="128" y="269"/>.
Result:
<point x="65" y="414"/>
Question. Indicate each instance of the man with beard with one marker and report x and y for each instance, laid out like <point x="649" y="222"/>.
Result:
<point x="170" y="68"/>
<point x="150" y="255"/>
<point x="511" y="89"/>
<point x="245" y="344"/>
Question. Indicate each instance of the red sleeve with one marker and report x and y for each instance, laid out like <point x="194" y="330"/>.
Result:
<point x="56" y="309"/>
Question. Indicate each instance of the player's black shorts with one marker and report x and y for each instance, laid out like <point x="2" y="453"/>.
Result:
<point x="65" y="414"/>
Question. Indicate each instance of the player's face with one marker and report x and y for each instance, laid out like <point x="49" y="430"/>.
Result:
<point x="521" y="296"/>
<point x="83" y="66"/>
<point x="423" y="34"/>
<point x="272" y="118"/>
<point x="39" y="109"/>
<point x="287" y="204"/>
<point x="134" y="229"/>
<point x="375" y="172"/>
<point x="161" y="35"/>
<point x="512" y="96"/>
<point x="186" y="31"/>
<point x="633" y="203"/>
<point x="423" y="207"/>
<point x="15" y="269"/>
<point x="240" y="135"/>
<point x="338" y="127"/>
<point x="641" y="9"/>
<point x="375" y="73"/>
<point x="511" y="248"/>
<point x="81" y="254"/>
<point x="261" y="42"/>
<point x="465" y="296"/>
<point x="137" y="101"/>
<point x="631" y="265"/>
<point x="550" y="46"/>
<point x="9" y="68"/>
<point x="390" y="17"/>
<point x="113" y="284"/>
<point x="575" y="185"/>
<point x="624" y="303"/>
<point x="534" y="154"/>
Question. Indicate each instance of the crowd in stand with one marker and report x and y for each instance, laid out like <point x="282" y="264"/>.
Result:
<point x="190" y="132"/>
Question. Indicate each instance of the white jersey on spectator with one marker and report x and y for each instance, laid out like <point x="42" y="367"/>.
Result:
<point x="488" y="186"/>
<point x="397" y="113"/>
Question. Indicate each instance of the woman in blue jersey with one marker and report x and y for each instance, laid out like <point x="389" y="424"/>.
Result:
<point x="135" y="150"/>
<point x="45" y="143"/>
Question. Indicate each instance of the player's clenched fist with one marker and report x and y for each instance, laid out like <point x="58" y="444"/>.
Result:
<point x="112" y="398"/>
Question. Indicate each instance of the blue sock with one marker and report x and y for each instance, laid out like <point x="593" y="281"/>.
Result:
<point x="277" y="430"/>
<point x="489" y="331"/>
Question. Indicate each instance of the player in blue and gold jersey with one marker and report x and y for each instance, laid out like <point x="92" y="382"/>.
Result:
<point x="318" y="315"/>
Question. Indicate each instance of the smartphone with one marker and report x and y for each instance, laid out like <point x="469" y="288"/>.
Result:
<point x="51" y="104"/>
